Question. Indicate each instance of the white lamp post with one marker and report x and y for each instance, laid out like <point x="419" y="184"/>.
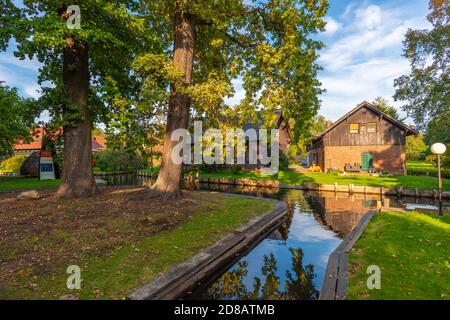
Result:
<point x="438" y="149"/>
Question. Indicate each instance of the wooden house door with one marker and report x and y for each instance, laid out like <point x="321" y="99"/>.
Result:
<point x="367" y="161"/>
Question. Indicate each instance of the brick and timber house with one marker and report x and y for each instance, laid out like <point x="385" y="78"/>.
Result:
<point x="364" y="138"/>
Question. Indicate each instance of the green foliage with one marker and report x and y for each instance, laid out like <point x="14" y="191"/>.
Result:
<point x="12" y="164"/>
<point x="415" y="147"/>
<point x="118" y="160"/>
<point x="269" y="45"/>
<point x="315" y="126"/>
<point x="113" y="31"/>
<point x="438" y="130"/>
<point x="297" y="286"/>
<point x="426" y="90"/>
<point x="235" y="168"/>
<point x="53" y="141"/>
<point x="284" y="162"/>
<point x="383" y="105"/>
<point x="16" y="119"/>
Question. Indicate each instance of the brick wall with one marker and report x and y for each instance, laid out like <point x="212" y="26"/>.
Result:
<point x="385" y="157"/>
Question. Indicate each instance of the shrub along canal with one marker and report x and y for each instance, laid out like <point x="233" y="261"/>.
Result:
<point x="290" y="263"/>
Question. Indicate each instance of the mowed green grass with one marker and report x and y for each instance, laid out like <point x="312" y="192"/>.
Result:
<point x="120" y="270"/>
<point x="20" y="183"/>
<point x="412" y="251"/>
<point x="420" y="165"/>
<point x="425" y="168"/>
<point x="290" y="177"/>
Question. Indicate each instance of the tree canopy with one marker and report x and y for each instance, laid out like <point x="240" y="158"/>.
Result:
<point x="127" y="54"/>
<point x="426" y="90"/>
<point x="383" y="105"/>
<point x="266" y="45"/>
<point x="85" y="72"/>
<point x="17" y="119"/>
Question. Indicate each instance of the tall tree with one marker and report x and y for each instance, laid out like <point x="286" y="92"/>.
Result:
<point x="438" y="130"/>
<point x="315" y="126"/>
<point x="88" y="68"/>
<point x="415" y="147"/>
<point x="383" y="105"/>
<point x="16" y="119"/>
<point x="267" y="44"/>
<point x="426" y="90"/>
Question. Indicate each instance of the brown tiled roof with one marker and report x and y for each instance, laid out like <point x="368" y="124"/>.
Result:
<point x="35" y="143"/>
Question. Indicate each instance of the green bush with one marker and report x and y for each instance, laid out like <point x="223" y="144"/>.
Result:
<point x="12" y="164"/>
<point x="118" y="160"/>
<point x="236" y="168"/>
<point x="210" y="168"/>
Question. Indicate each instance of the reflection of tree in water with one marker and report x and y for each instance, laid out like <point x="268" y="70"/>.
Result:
<point x="298" y="284"/>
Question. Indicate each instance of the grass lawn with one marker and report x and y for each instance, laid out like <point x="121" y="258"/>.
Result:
<point x="291" y="177"/>
<point x="19" y="183"/>
<point x="421" y="166"/>
<point x="425" y="168"/>
<point x="412" y="251"/>
<point x="150" y="170"/>
<point x="120" y="238"/>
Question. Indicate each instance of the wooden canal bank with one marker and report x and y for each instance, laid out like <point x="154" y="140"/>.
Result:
<point x="335" y="282"/>
<point x="209" y="262"/>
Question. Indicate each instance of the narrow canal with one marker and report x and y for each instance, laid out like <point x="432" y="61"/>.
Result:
<point x="290" y="263"/>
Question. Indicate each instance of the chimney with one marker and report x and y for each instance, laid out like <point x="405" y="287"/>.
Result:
<point x="328" y="123"/>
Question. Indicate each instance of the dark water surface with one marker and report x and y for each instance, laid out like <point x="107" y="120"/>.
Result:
<point x="290" y="263"/>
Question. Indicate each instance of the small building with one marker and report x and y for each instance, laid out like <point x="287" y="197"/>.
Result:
<point x="285" y="135"/>
<point x="364" y="139"/>
<point x="35" y="144"/>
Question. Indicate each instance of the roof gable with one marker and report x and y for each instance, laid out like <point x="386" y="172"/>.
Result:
<point x="371" y="107"/>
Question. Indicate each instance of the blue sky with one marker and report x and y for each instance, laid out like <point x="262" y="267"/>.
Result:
<point x="361" y="59"/>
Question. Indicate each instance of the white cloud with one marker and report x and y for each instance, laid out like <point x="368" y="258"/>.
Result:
<point x="239" y="93"/>
<point x="370" y="16"/>
<point x="363" y="59"/>
<point x="332" y="26"/>
<point x="359" y="82"/>
<point x="33" y="90"/>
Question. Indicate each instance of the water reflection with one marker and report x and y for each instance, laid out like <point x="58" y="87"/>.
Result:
<point x="298" y="283"/>
<point x="289" y="263"/>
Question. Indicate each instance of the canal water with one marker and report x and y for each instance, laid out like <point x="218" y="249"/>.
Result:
<point x="290" y="263"/>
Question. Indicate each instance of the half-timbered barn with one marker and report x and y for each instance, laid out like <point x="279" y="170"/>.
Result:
<point x="363" y="140"/>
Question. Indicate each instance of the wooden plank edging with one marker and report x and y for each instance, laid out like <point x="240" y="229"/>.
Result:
<point x="335" y="282"/>
<point x="174" y="283"/>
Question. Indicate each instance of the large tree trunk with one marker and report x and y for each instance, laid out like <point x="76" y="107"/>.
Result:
<point x="170" y="176"/>
<point x="77" y="176"/>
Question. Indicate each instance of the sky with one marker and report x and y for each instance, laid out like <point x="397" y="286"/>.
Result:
<point x="362" y="57"/>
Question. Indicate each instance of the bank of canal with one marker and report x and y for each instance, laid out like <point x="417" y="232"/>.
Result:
<point x="290" y="263"/>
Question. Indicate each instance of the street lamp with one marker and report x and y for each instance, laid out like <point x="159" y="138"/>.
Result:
<point x="438" y="149"/>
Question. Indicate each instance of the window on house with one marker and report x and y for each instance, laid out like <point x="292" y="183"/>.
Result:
<point x="371" y="127"/>
<point x="354" y="127"/>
